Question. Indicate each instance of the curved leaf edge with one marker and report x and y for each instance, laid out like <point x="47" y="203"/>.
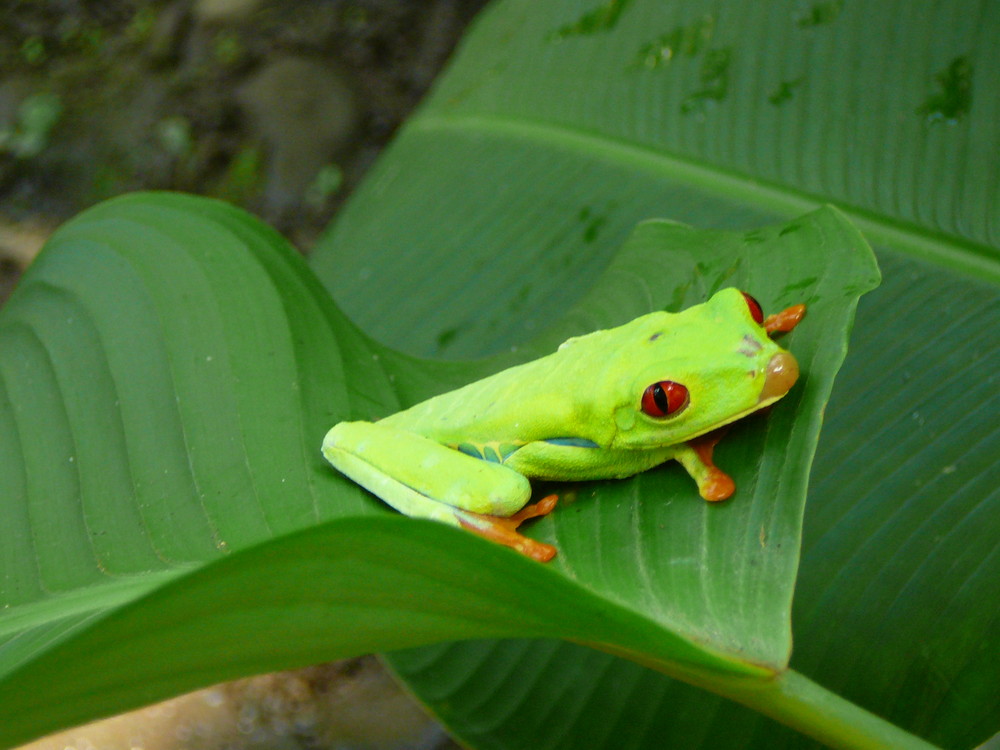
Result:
<point x="343" y="588"/>
<point x="232" y="605"/>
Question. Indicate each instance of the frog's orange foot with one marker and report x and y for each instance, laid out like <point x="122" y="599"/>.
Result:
<point x="533" y="510"/>
<point x="718" y="485"/>
<point x="504" y="530"/>
<point x="785" y="320"/>
<point x="714" y="484"/>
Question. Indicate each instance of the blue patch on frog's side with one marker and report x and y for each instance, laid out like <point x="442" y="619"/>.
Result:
<point x="469" y="449"/>
<point x="573" y="441"/>
<point x="495" y="453"/>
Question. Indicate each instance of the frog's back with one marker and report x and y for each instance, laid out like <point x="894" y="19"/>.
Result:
<point x="562" y="395"/>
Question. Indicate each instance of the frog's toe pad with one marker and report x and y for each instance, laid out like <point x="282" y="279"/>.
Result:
<point x="717" y="485"/>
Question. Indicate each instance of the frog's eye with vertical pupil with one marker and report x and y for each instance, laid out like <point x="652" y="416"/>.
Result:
<point x="664" y="399"/>
<point x="755" y="310"/>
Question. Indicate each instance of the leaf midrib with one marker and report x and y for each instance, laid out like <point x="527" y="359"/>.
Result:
<point x="955" y="253"/>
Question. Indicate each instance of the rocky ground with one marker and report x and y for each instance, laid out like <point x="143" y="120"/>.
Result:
<point x="278" y="106"/>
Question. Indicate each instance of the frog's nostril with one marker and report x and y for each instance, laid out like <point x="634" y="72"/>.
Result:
<point x="782" y="372"/>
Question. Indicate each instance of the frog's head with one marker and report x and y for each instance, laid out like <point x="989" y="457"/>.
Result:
<point x="682" y="375"/>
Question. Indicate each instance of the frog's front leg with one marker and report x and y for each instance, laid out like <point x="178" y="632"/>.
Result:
<point x="696" y="457"/>
<point x="424" y="479"/>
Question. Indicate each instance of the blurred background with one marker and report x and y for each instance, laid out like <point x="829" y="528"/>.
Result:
<point x="278" y="106"/>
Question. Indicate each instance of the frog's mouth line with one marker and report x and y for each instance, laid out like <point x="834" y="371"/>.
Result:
<point x="780" y="375"/>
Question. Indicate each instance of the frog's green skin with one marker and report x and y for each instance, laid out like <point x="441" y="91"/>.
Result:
<point x="572" y="415"/>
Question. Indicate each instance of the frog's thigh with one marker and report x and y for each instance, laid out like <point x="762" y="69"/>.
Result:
<point x="420" y="477"/>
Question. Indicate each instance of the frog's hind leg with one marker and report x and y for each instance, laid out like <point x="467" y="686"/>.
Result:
<point x="424" y="479"/>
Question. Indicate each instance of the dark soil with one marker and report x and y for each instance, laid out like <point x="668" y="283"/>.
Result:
<point x="276" y="106"/>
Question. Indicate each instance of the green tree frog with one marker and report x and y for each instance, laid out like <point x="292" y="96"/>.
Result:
<point x="609" y="404"/>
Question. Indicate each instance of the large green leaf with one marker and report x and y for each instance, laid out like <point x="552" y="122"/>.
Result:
<point x="169" y="367"/>
<point x="563" y="124"/>
<point x="491" y="217"/>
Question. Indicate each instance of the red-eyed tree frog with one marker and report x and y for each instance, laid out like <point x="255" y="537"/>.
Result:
<point x="609" y="404"/>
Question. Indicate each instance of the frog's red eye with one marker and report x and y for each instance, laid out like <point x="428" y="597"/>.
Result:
<point x="755" y="311"/>
<point x="664" y="399"/>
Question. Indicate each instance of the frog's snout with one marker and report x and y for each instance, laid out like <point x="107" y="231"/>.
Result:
<point x="782" y="372"/>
